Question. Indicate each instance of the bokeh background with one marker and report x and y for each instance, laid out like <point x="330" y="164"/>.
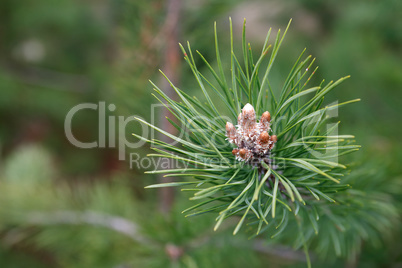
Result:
<point x="62" y="206"/>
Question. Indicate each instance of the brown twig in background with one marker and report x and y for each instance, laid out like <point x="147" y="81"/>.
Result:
<point x="170" y="68"/>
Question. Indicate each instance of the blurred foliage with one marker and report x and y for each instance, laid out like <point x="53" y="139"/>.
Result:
<point x="90" y="227"/>
<point x="55" y="56"/>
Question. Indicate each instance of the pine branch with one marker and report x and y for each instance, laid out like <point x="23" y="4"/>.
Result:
<point x="286" y="159"/>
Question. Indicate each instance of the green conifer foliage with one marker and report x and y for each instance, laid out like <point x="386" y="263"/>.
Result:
<point x="272" y="173"/>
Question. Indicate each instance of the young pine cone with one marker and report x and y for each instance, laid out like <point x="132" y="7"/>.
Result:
<point x="251" y="138"/>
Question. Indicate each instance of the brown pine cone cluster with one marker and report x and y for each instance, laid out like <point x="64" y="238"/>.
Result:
<point x="251" y="138"/>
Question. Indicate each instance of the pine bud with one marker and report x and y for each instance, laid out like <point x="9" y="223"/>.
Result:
<point x="230" y="131"/>
<point x="242" y="153"/>
<point x="264" y="137"/>
<point x="265" y="119"/>
<point x="248" y="113"/>
<point x="251" y="137"/>
<point x="274" y="138"/>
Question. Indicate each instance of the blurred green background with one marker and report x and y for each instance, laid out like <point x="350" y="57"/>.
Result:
<point x="62" y="206"/>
